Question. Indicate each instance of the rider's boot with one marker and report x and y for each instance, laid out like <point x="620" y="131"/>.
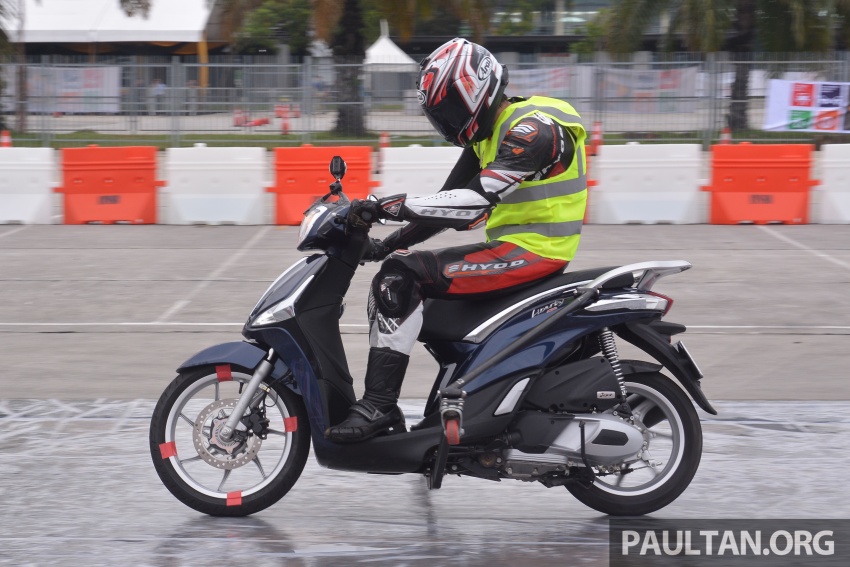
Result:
<point x="377" y="411"/>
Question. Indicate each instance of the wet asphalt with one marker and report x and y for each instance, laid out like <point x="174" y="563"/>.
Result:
<point x="94" y="320"/>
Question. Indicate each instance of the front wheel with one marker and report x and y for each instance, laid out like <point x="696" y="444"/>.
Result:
<point x="247" y="473"/>
<point x="669" y="459"/>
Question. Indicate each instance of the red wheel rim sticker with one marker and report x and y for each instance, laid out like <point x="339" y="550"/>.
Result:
<point x="223" y="373"/>
<point x="234" y="498"/>
<point x="168" y="450"/>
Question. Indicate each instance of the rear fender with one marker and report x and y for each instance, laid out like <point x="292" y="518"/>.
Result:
<point x="238" y="353"/>
<point x="646" y="337"/>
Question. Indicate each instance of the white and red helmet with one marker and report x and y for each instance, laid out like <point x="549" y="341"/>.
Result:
<point x="460" y="88"/>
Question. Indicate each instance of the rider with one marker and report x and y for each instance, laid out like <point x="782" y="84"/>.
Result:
<point x="522" y="173"/>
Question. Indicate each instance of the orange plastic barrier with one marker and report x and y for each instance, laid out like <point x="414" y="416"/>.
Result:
<point x="109" y="185"/>
<point x="760" y="184"/>
<point x="302" y="176"/>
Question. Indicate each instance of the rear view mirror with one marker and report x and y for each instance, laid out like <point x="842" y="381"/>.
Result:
<point x="338" y="167"/>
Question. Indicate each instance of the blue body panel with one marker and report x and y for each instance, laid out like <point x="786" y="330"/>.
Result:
<point x="537" y="355"/>
<point x="288" y="350"/>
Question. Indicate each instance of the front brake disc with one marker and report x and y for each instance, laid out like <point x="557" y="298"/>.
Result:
<point x="236" y="452"/>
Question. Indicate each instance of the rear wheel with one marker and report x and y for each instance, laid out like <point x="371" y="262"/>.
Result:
<point x="234" y="477"/>
<point x="668" y="461"/>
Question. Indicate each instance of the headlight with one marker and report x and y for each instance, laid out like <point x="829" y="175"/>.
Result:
<point x="309" y="221"/>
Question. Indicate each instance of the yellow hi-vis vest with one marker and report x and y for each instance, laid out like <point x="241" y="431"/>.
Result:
<point x="544" y="217"/>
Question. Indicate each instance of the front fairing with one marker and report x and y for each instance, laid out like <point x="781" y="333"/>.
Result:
<point x="285" y="285"/>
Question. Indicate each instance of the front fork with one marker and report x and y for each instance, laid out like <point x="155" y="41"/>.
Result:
<point x="263" y="371"/>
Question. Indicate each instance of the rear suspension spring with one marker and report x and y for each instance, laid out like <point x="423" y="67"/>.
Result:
<point x="609" y="349"/>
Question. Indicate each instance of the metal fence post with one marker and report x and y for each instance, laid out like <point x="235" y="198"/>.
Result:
<point x="711" y="95"/>
<point x="845" y="66"/>
<point x="47" y="105"/>
<point x="176" y="88"/>
<point x="307" y="100"/>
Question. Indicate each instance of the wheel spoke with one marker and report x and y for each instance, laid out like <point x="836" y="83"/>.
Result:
<point x="189" y="421"/>
<point x="190" y="459"/>
<point x="643" y="408"/>
<point x="256" y="461"/>
<point x="216" y="391"/>
<point x="275" y="432"/>
<point x="223" y="480"/>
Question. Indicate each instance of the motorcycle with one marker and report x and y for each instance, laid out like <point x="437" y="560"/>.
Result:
<point x="530" y="387"/>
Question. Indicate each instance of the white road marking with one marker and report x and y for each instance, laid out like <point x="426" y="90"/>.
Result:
<point x="180" y="304"/>
<point x="808" y="249"/>
<point x="765" y="327"/>
<point x="364" y="326"/>
<point x="13" y="231"/>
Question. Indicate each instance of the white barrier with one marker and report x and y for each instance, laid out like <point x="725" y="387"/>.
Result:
<point x="415" y="170"/>
<point x="27" y="180"/>
<point x="834" y="191"/>
<point x="658" y="183"/>
<point x="215" y="186"/>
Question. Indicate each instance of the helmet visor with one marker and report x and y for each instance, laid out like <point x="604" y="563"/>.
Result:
<point x="453" y="122"/>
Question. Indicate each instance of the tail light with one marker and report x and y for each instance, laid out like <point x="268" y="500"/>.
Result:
<point x="669" y="300"/>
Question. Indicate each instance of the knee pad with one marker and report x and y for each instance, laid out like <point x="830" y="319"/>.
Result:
<point x="395" y="293"/>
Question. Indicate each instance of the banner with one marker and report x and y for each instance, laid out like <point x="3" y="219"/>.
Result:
<point x="807" y="106"/>
<point x="565" y="83"/>
<point x="619" y="90"/>
<point x="70" y="90"/>
<point x="668" y="90"/>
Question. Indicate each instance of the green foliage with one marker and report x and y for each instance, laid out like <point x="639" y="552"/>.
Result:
<point x="706" y="25"/>
<point x="702" y="24"/>
<point x="594" y="34"/>
<point x="276" y="21"/>
<point x="789" y="25"/>
<point x="516" y="17"/>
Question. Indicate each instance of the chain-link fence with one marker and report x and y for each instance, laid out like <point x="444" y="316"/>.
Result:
<point x="687" y="98"/>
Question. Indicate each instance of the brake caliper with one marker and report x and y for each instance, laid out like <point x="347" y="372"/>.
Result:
<point x="256" y="422"/>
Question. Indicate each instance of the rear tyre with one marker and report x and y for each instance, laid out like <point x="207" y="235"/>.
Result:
<point x="645" y="485"/>
<point x="237" y="477"/>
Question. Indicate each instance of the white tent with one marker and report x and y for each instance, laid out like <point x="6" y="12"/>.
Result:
<point x="384" y="56"/>
<point x="103" y="21"/>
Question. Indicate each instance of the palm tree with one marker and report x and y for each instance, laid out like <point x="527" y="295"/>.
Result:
<point x="341" y="22"/>
<point x="343" y="25"/>
<point x="15" y="10"/>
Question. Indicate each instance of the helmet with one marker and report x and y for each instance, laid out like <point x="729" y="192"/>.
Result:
<point x="460" y="88"/>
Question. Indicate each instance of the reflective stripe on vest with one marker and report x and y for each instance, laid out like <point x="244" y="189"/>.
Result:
<point x="544" y="217"/>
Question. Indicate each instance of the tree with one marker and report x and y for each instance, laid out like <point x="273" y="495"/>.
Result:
<point x="341" y="22"/>
<point x="264" y="28"/>
<point x="344" y="27"/>
<point x="15" y="10"/>
<point x="5" y="47"/>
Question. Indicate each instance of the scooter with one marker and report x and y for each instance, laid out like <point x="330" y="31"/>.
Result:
<point x="530" y="387"/>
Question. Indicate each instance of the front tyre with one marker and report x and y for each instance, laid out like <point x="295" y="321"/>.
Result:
<point x="244" y="474"/>
<point x="668" y="462"/>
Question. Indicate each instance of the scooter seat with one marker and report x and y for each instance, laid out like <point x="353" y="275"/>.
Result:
<point x="452" y="319"/>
